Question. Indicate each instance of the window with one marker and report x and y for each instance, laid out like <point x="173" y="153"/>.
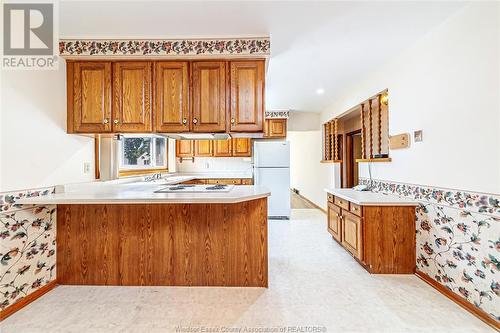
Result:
<point x="141" y="154"/>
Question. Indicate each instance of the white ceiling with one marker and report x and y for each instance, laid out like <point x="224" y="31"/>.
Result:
<point x="314" y="45"/>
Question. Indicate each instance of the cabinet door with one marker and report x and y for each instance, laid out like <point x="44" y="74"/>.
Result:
<point x="275" y="128"/>
<point x="132" y="97"/>
<point x="242" y="147"/>
<point x="184" y="148"/>
<point x="334" y="222"/>
<point x="223" y="148"/>
<point x="209" y="96"/>
<point x="172" y="96"/>
<point x="247" y="96"/>
<point x="203" y="148"/>
<point x="89" y="97"/>
<point x="351" y="234"/>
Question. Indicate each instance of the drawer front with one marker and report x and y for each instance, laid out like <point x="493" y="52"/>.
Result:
<point x="247" y="181"/>
<point x="355" y="209"/>
<point x="342" y="203"/>
<point x="225" y="181"/>
<point x="329" y="197"/>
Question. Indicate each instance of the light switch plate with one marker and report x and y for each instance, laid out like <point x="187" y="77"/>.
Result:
<point x="399" y="141"/>
<point x="417" y="136"/>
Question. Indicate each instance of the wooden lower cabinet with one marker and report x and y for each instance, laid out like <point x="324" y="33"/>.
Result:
<point x="381" y="238"/>
<point x="334" y="222"/>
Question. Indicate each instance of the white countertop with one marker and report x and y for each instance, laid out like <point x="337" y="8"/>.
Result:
<point x="367" y="198"/>
<point x="143" y="192"/>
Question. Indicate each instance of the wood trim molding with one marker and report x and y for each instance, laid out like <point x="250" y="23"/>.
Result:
<point x="138" y="172"/>
<point x="27" y="300"/>
<point x="459" y="300"/>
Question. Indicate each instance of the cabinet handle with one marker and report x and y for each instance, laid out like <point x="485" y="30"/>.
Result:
<point x="115" y="121"/>
<point x="233" y="120"/>
<point x="195" y="121"/>
<point x="105" y="121"/>
<point x="184" y="121"/>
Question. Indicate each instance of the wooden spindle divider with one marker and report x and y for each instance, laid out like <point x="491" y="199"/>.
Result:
<point x="370" y="128"/>
<point x="363" y="135"/>
<point x="336" y="145"/>
<point x="379" y="123"/>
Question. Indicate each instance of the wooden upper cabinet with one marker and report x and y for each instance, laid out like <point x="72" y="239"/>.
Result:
<point x="222" y="148"/>
<point x="184" y="148"/>
<point x="171" y="112"/>
<point x="209" y="96"/>
<point x="275" y="128"/>
<point x="247" y="96"/>
<point x="132" y="97"/>
<point x="89" y="97"/>
<point x="242" y="147"/>
<point x="203" y="148"/>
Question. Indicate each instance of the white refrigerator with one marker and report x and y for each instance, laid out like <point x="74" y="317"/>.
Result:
<point x="271" y="168"/>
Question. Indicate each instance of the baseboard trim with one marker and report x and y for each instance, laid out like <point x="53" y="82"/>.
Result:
<point x="459" y="300"/>
<point x="27" y="300"/>
<point x="310" y="202"/>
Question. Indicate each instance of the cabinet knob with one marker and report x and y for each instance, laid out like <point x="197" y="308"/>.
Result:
<point x="115" y="121"/>
<point x="233" y="121"/>
<point x="195" y="121"/>
<point x="105" y="121"/>
<point x="184" y="121"/>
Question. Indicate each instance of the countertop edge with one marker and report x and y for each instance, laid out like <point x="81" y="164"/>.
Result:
<point x="399" y="202"/>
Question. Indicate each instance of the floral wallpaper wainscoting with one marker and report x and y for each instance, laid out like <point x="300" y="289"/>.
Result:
<point x="27" y="246"/>
<point x="458" y="240"/>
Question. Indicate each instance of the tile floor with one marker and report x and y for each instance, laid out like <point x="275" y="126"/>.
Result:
<point x="313" y="282"/>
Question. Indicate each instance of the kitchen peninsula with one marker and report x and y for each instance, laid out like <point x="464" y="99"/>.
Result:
<point x="129" y="234"/>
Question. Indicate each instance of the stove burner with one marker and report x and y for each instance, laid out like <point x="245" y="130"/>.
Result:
<point x="217" y="187"/>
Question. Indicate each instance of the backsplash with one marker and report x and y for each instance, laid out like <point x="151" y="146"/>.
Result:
<point x="458" y="240"/>
<point x="216" y="164"/>
<point x="28" y="245"/>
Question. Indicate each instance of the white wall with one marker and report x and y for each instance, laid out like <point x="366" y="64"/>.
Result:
<point x="448" y="85"/>
<point x="35" y="150"/>
<point x="216" y="164"/>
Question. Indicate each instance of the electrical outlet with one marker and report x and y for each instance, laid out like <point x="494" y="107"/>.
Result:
<point x="86" y="167"/>
<point x="417" y="136"/>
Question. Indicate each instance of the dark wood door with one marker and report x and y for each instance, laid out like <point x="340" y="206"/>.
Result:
<point x="203" y="148"/>
<point x="132" y="97"/>
<point x="242" y="147"/>
<point x="184" y="148"/>
<point x="222" y="148"/>
<point x="172" y="97"/>
<point x="335" y="222"/>
<point x="209" y="96"/>
<point x="89" y="97"/>
<point x="247" y="96"/>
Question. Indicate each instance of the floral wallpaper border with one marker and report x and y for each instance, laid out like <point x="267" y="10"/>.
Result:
<point x="27" y="245"/>
<point x="457" y="239"/>
<point x="476" y="202"/>
<point x="165" y="47"/>
<point x="281" y="114"/>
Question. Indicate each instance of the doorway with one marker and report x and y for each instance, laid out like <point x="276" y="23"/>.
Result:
<point x="353" y="152"/>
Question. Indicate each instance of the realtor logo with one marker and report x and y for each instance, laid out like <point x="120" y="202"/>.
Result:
<point x="28" y="36"/>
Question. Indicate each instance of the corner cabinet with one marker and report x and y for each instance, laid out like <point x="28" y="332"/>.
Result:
<point x="380" y="238"/>
<point x="275" y="128"/>
<point x="247" y="96"/>
<point x="165" y="96"/>
<point x="89" y="97"/>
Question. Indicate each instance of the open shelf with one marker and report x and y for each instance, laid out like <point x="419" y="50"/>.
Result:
<point x="385" y="159"/>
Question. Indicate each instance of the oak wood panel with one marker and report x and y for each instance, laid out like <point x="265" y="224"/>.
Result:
<point x="223" y="148"/>
<point x="163" y="244"/>
<point x="203" y="148"/>
<point x="209" y="96"/>
<point x="389" y="238"/>
<point x="242" y="147"/>
<point x="275" y="128"/>
<point x="342" y="203"/>
<point x="355" y="209"/>
<point x="132" y="110"/>
<point x="335" y="222"/>
<point x="89" y="93"/>
<point x="247" y="181"/>
<point x="247" y="96"/>
<point x="352" y="237"/>
<point x="171" y="112"/>
<point x="195" y="181"/>
<point x="226" y="181"/>
<point x="184" y="148"/>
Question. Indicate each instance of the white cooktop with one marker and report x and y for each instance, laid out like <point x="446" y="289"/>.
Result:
<point x="185" y="188"/>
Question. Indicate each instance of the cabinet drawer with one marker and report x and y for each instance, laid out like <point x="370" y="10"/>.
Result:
<point x="355" y="209"/>
<point x="342" y="203"/>
<point x="247" y="181"/>
<point x="225" y="181"/>
<point x="329" y="197"/>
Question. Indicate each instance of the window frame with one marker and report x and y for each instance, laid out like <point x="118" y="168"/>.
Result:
<point x="124" y="171"/>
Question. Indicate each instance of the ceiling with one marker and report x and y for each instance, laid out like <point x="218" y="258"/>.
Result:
<point x="314" y="45"/>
